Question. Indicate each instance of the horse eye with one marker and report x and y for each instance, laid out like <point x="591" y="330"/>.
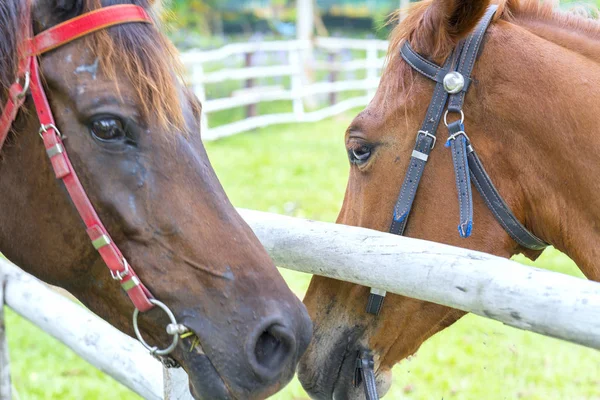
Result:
<point x="108" y="129"/>
<point x="360" y="155"/>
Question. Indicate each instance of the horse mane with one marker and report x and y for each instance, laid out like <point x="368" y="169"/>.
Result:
<point x="419" y="29"/>
<point x="11" y="13"/>
<point x="138" y="53"/>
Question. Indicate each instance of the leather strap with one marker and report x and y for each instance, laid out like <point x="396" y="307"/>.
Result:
<point x="457" y="142"/>
<point x="463" y="155"/>
<point x="84" y="24"/>
<point x="469" y="55"/>
<point x="421" y="64"/>
<point x="63" y="170"/>
<point x="55" y="149"/>
<point x="499" y="208"/>
<point x="482" y="181"/>
<point x="365" y="374"/>
<point x="425" y="142"/>
<point x="10" y="110"/>
<point x="457" y="138"/>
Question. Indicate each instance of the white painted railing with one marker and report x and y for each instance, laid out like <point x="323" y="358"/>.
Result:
<point x="527" y="298"/>
<point x="296" y="68"/>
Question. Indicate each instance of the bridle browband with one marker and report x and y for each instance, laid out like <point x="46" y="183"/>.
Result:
<point x="29" y="81"/>
<point x="452" y="81"/>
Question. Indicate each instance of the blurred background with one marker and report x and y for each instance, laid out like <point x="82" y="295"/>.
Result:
<point x="280" y="81"/>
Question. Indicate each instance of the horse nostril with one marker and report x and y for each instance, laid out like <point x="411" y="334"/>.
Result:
<point x="273" y="351"/>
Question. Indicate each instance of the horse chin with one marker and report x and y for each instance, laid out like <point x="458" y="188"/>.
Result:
<point x="344" y="387"/>
<point x="335" y="379"/>
<point x="204" y="380"/>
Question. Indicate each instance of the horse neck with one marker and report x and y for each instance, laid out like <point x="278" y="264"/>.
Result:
<point x="39" y="231"/>
<point x="544" y="96"/>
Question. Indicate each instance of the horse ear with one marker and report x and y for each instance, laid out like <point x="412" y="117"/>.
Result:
<point x="49" y="13"/>
<point x="459" y="17"/>
<point x="68" y="6"/>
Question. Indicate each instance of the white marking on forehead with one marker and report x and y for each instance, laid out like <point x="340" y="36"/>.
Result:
<point x="92" y="69"/>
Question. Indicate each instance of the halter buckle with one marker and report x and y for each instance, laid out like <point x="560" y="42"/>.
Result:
<point x="457" y="134"/>
<point x="119" y="275"/>
<point x="45" y="128"/>
<point x="426" y="133"/>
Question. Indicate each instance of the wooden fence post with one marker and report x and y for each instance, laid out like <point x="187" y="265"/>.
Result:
<point x="251" y="110"/>
<point x="5" y="384"/>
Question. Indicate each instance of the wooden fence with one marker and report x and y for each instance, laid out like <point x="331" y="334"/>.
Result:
<point x="527" y="298"/>
<point x="299" y="66"/>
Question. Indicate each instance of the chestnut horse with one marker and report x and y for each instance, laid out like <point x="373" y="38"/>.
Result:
<point x="530" y="112"/>
<point x="132" y="132"/>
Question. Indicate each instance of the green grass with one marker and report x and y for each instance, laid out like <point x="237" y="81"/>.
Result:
<point x="301" y="170"/>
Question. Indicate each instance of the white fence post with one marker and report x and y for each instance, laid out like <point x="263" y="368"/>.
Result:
<point x="200" y="92"/>
<point x="5" y="384"/>
<point x="528" y="298"/>
<point x="372" y="71"/>
<point x="305" y="33"/>
<point x="300" y="92"/>
<point x="176" y="384"/>
<point x="296" y="85"/>
<point x="90" y="337"/>
<point x="403" y="7"/>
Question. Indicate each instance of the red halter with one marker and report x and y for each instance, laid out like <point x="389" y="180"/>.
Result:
<point x="29" y="78"/>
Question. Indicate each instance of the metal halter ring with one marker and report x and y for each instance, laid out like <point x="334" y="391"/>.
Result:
<point x="23" y="92"/>
<point x="118" y="276"/>
<point x="44" y="129"/>
<point x="174" y="329"/>
<point x="462" y="117"/>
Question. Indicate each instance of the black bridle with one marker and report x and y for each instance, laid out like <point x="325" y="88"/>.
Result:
<point x="452" y="81"/>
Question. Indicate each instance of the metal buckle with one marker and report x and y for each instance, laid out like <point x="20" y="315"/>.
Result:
<point x="462" y="117"/>
<point x="427" y="134"/>
<point x="174" y="329"/>
<point x="457" y="134"/>
<point x="118" y="276"/>
<point x="23" y="92"/>
<point x="44" y="129"/>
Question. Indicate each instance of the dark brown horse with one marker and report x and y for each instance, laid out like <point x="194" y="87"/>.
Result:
<point x="132" y="133"/>
<point x="531" y="113"/>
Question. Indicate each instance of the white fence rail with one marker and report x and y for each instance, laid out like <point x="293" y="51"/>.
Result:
<point x="528" y="298"/>
<point x="298" y="67"/>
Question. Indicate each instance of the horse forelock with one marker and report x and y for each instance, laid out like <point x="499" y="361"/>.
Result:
<point x="146" y="58"/>
<point x="137" y="52"/>
<point x="11" y="19"/>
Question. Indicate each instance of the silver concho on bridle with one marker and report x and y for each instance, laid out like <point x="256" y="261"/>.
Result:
<point x="454" y="82"/>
